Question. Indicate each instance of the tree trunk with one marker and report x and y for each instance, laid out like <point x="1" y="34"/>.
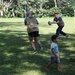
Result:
<point x="41" y="5"/>
<point x="2" y="13"/>
<point x="1" y="1"/>
<point x="13" y="13"/>
<point x="10" y="0"/>
<point x="55" y="2"/>
<point x="59" y="2"/>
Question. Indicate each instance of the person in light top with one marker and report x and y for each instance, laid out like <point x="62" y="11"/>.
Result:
<point x="33" y="31"/>
<point x="54" y="53"/>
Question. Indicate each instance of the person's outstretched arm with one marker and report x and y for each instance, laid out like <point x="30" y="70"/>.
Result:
<point x="25" y="21"/>
<point x="37" y="22"/>
<point x="56" y="22"/>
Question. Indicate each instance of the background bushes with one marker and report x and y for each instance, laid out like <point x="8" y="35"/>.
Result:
<point x="41" y="9"/>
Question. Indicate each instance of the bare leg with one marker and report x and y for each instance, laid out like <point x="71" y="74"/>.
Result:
<point x="48" y="65"/>
<point x="58" y="66"/>
<point x="37" y="41"/>
<point x="32" y="43"/>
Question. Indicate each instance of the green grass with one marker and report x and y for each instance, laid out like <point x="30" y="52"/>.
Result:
<point x="16" y="56"/>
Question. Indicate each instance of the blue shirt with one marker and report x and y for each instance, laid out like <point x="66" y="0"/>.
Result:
<point x="58" y="19"/>
<point x="56" y="49"/>
<point x="61" y="22"/>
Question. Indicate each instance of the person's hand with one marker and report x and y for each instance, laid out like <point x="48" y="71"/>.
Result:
<point x="56" y="56"/>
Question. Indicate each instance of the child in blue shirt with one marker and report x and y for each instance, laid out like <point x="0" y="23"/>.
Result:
<point x="54" y="53"/>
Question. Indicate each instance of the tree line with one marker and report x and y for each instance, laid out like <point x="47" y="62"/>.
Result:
<point x="41" y="8"/>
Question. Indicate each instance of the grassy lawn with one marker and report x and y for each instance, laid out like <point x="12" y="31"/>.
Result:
<point x="16" y="56"/>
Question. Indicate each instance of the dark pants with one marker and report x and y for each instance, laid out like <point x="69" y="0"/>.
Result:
<point x="59" y="31"/>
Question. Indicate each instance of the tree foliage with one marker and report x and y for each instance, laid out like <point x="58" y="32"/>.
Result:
<point x="42" y="8"/>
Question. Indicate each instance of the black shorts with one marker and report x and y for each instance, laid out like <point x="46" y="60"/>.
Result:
<point x="34" y="34"/>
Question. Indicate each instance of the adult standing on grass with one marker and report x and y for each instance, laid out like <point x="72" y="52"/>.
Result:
<point x="59" y="21"/>
<point x="33" y="31"/>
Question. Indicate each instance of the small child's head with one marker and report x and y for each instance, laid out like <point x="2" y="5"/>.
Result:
<point x="56" y="15"/>
<point x="54" y="38"/>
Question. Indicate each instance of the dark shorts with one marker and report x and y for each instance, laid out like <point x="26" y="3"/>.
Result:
<point x="55" y="60"/>
<point x="34" y="34"/>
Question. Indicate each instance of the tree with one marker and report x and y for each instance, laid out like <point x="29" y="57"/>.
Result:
<point x="1" y="1"/>
<point x="55" y="2"/>
<point x="40" y="7"/>
<point x="48" y="4"/>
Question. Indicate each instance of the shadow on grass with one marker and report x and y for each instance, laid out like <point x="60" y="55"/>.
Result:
<point x="16" y="54"/>
<point x="4" y="24"/>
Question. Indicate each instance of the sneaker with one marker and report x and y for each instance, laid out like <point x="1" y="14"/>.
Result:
<point x="35" y="52"/>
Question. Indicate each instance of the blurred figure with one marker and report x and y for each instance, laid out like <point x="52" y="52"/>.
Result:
<point x="33" y="31"/>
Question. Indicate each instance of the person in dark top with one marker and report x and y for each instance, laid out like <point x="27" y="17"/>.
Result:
<point x="59" y="21"/>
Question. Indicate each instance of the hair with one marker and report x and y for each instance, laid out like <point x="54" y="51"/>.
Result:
<point x="30" y="13"/>
<point x="56" y="13"/>
<point x="53" y="37"/>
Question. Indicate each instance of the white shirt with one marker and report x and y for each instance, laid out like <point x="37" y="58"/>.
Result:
<point x="55" y="47"/>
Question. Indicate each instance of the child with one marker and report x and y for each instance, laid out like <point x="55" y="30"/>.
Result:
<point x="33" y="31"/>
<point x="54" y="53"/>
<point x="59" y="21"/>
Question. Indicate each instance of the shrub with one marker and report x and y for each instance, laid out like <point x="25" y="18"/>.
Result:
<point x="0" y="7"/>
<point x="19" y="13"/>
<point x="54" y="10"/>
<point x="42" y="13"/>
<point x="68" y="12"/>
<point x="7" y="14"/>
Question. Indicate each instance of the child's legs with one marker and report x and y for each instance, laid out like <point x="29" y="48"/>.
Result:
<point x="58" y="31"/>
<point x="61" y="32"/>
<point x="36" y="35"/>
<point x="32" y="43"/>
<point x="48" y="65"/>
<point x="37" y="41"/>
<point x="58" y="64"/>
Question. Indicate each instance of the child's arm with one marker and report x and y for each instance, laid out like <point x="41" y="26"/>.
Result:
<point x="25" y="21"/>
<point x="37" y="21"/>
<point x="54" y="22"/>
<point x="54" y="53"/>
